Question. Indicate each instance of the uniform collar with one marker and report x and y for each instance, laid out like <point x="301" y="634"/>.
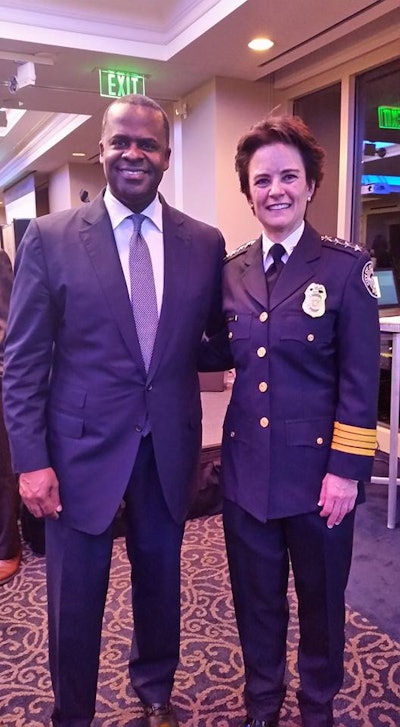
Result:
<point x="289" y="243"/>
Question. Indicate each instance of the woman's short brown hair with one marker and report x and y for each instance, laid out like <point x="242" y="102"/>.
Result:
<point x="290" y="130"/>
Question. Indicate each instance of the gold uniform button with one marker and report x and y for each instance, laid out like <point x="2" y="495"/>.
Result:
<point x="262" y="386"/>
<point x="320" y="440"/>
<point x="230" y="334"/>
<point x="261" y="352"/>
<point x="310" y="337"/>
<point x="263" y="316"/>
<point x="264" y="422"/>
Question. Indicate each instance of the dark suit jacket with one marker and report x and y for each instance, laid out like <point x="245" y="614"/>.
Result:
<point x="6" y="279"/>
<point x="304" y="401"/>
<point x="76" y="391"/>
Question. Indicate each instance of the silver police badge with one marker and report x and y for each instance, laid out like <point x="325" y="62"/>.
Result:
<point x="369" y="280"/>
<point x="314" y="300"/>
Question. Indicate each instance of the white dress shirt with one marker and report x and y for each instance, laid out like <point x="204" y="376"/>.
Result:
<point x="152" y="232"/>
<point x="289" y="243"/>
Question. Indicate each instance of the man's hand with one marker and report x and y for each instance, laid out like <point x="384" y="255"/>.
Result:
<point x="39" y="492"/>
<point x="337" y="498"/>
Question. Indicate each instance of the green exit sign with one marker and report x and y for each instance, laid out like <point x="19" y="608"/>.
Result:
<point x="389" y="117"/>
<point x="114" y="84"/>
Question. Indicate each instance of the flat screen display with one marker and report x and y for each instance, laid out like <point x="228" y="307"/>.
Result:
<point x="387" y="288"/>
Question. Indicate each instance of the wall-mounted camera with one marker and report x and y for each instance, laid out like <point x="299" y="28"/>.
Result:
<point x="25" y="76"/>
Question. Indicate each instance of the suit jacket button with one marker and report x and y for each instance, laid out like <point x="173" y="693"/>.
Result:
<point x="320" y="440"/>
<point x="310" y="337"/>
<point x="138" y="428"/>
<point x="230" y="335"/>
<point x="262" y="386"/>
<point x="149" y="387"/>
<point x="263" y="316"/>
<point x="264" y="422"/>
<point x="261" y="352"/>
<point x="232" y="434"/>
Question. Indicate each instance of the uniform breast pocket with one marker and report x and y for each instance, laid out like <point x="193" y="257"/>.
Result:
<point x="238" y="326"/>
<point x="307" y="330"/>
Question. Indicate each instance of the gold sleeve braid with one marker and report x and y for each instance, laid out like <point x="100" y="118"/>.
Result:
<point x="354" y="440"/>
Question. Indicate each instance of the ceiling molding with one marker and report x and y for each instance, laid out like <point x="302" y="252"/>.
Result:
<point x="134" y="37"/>
<point x="52" y="129"/>
<point x="329" y="36"/>
<point x="286" y="79"/>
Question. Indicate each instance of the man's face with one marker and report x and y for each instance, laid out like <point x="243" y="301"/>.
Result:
<point x="134" y="153"/>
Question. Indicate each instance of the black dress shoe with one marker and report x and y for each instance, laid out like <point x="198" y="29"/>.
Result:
<point x="160" y="715"/>
<point x="273" y="722"/>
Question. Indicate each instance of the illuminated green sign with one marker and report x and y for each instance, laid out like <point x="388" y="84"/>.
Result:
<point x="389" y="117"/>
<point x="120" y="83"/>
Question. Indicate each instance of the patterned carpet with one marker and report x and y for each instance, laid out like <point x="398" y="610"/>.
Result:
<point x="208" y="689"/>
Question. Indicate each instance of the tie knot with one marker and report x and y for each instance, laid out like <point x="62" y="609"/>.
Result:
<point x="276" y="252"/>
<point x="137" y="219"/>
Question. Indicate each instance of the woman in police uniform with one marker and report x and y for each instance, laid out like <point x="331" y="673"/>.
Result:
<point x="300" y="429"/>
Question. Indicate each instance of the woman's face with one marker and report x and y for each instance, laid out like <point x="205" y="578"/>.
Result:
<point x="278" y="189"/>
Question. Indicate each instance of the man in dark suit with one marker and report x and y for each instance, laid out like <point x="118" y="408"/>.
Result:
<point x="10" y="543"/>
<point x="96" y="417"/>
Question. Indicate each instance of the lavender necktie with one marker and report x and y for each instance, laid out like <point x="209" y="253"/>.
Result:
<point x="143" y="291"/>
<point x="275" y="269"/>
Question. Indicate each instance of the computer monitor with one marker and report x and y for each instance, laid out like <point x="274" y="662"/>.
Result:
<point x="388" y="291"/>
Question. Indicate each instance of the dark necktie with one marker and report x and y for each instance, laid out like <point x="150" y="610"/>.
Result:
<point x="275" y="269"/>
<point x="143" y="291"/>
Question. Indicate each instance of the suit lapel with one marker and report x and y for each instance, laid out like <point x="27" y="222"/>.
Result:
<point x="177" y="252"/>
<point x="253" y="276"/>
<point x="98" y="239"/>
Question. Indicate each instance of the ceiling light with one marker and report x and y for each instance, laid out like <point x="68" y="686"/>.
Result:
<point x="261" y="44"/>
<point x="78" y="154"/>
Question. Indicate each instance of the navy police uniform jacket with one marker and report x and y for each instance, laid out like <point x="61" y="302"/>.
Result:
<point x="304" y="401"/>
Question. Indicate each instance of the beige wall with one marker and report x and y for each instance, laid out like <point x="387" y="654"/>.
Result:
<point x="59" y="189"/>
<point x="198" y="154"/>
<point x="239" y="105"/>
<point x="218" y="113"/>
<point x="85" y="177"/>
<point x="66" y="183"/>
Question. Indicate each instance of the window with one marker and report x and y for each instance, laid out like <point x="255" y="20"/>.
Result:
<point x="376" y="208"/>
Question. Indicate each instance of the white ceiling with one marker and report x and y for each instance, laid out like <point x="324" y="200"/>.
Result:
<point x="177" y="44"/>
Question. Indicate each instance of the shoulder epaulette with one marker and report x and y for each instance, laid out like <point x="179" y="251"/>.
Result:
<point x="238" y="251"/>
<point x="341" y="244"/>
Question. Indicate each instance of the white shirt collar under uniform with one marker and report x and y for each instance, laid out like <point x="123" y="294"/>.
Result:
<point x="289" y="243"/>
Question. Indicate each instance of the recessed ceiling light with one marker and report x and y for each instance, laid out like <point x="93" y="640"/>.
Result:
<point x="261" y="44"/>
<point x="78" y="154"/>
